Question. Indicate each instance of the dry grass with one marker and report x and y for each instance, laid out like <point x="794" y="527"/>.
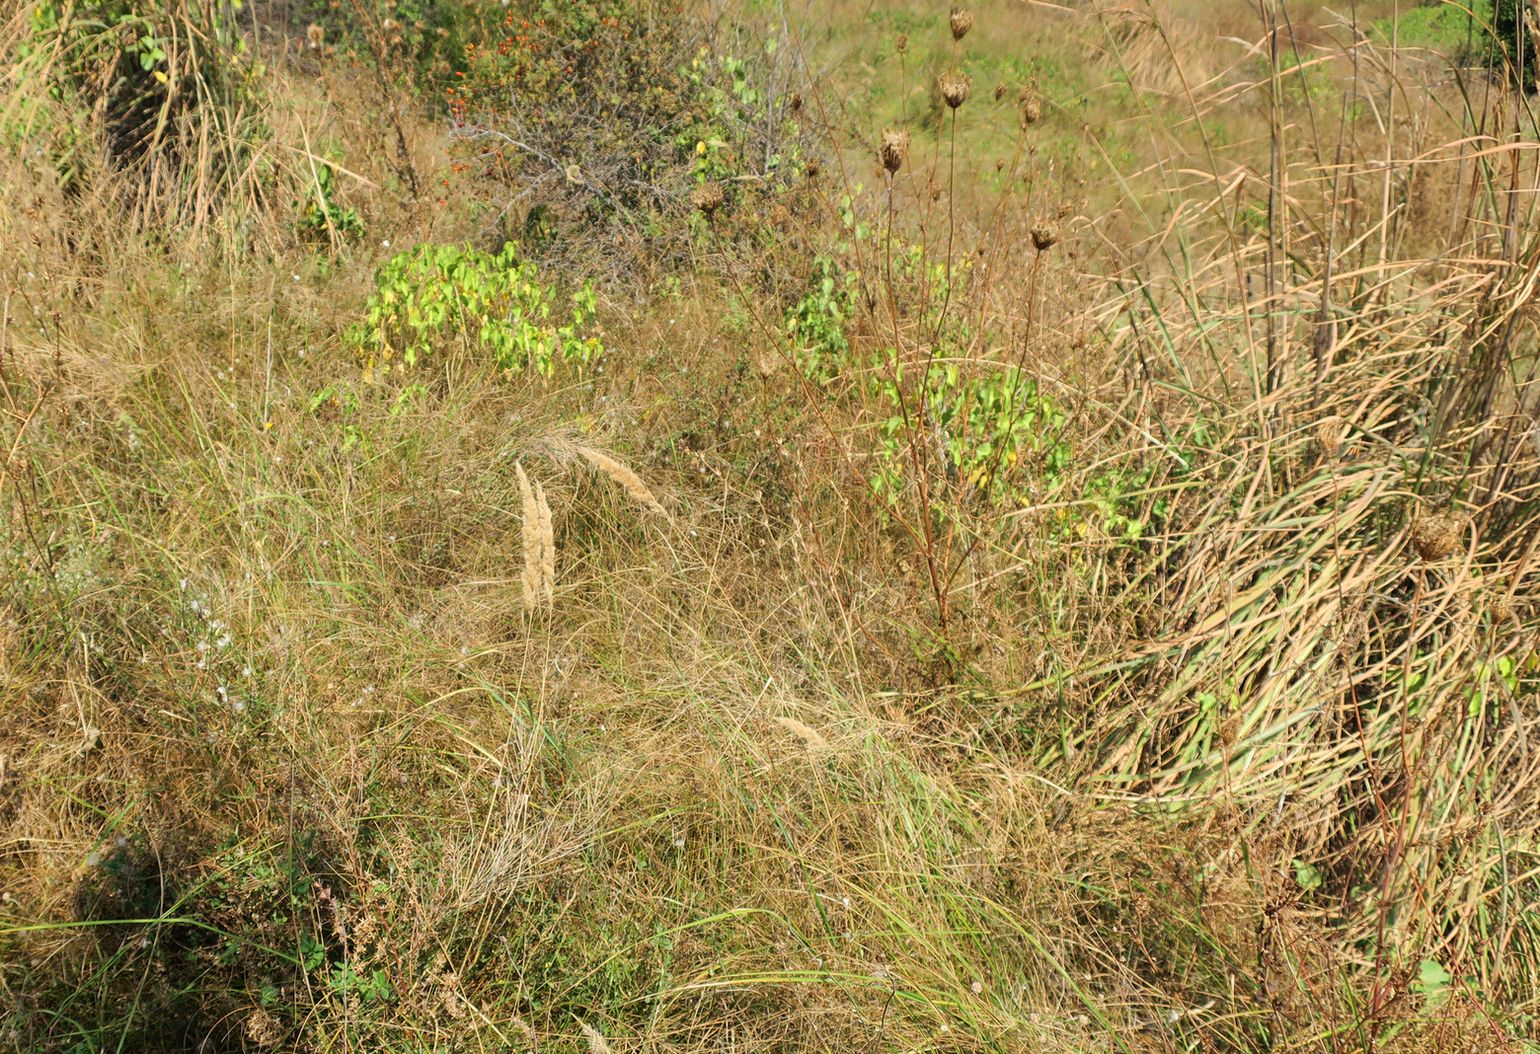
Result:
<point x="1204" y="722"/>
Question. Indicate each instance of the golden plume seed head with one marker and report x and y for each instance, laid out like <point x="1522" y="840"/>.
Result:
<point x="1044" y="236"/>
<point x="1328" y="435"/>
<point x="315" y="35"/>
<point x="961" y="22"/>
<point x="901" y="45"/>
<point x="1436" y="535"/>
<point x="895" y="147"/>
<point x="708" y="197"/>
<point x="956" y="86"/>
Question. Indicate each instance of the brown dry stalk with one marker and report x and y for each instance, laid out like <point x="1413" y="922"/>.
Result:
<point x="622" y="476"/>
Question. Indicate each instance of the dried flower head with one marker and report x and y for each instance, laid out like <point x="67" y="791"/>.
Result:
<point x="999" y="92"/>
<point x="955" y="87"/>
<point x="895" y="147"/>
<point x="962" y="21"/>
<point x="1044" y="236"/>
<point x="1328" y="435"/>
<point x="901" y="45"/>
<point x="708" y="197"/>
<point x="1436" y="535"/>
<point x="1031" y="110"/>
<point x="315" y="35"/>
<point x="795" y="102"/>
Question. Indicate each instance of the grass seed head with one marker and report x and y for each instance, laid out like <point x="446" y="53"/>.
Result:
<point x="956" y="86"/>
<point x="961" y="22"/>
<point x="895" y="147"/>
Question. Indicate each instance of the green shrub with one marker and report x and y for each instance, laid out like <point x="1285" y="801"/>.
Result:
<point x="436" y="294"/>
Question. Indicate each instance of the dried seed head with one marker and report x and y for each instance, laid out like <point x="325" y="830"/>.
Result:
<point x="895" y="147"/>
<point x="962" y="21"/>
<point x="1436" y="535"/>
<point x="955" y="87"/>
<point x="812" y="168"/>
<point x="901" y="45"/>
<point x="795" y="102"/>
<point x="1328" y="435"/>
<point x="707" y="197"/>
<point x="1031" y="109"/>
<point x="935" y="192"/>
<point x="315" y="35"/>
<point x="999" y="92"/>
<point x="1044" y="236"/>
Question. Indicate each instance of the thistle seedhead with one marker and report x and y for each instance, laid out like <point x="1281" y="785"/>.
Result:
<point x="708" y="197"/>
<point x="1436" y="535"/>
<point x="962" y="21"/>
<point x="955" y="87"/>
<point x="1044" y="236"/>
<point x="895" y="147"/>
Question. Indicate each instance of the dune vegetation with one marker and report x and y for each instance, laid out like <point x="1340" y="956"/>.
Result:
<point x="760" y="525"/>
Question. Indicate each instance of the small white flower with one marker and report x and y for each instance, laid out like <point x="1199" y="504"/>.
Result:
<point x="977" y="987"/>
<point x="385" y="244"/>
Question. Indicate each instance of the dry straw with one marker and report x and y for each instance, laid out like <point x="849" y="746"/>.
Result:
<point x="622" y="476"/>
<point x="539" y="579"/>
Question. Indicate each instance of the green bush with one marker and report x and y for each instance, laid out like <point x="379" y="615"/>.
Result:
<point x="437" y="294"/>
